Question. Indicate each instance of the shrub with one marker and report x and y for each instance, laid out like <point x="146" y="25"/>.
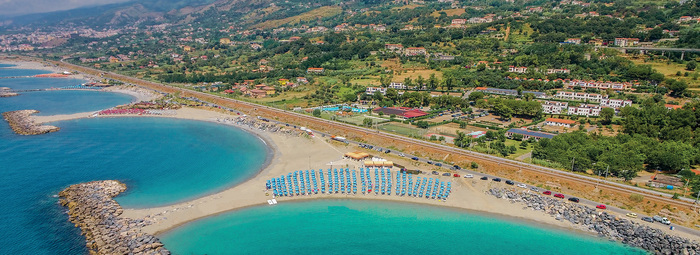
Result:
<point x="636" y="198"/>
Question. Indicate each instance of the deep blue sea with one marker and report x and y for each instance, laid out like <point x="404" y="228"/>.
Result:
<point x="166" y="160"/>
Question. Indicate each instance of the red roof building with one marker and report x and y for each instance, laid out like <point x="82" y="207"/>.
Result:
<point x="404" y="112"/>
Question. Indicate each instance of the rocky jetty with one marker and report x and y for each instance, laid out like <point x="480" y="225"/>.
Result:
<point x="22" y="123"/>
<point x="5" y="92"/>
<point x="602" y="223"/>
<point x="93" y="209"/>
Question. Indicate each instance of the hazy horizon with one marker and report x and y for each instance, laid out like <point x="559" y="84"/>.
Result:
<point x="22" y="7"/>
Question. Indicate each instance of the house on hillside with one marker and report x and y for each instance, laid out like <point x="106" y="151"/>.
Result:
<point x="626" y="42"/>
<point x="315" y="70"/>
<point x="393" y="47"/>
<point x="585" y="110"/>
<point x="673" y="106"/>
<point x="527" y="134"/>
<point x="554" y="107"/>
<point x="415" y="51"/>
<point x="559" y="122"/>
<point x="615" y="103"/>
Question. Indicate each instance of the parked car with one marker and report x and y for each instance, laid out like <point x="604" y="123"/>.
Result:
<point x="647" y="219"/>
<point x="632" y="215"/>
<point x="401" y="155"/>
<point x="559" y="195"/>
<point x="602" y="207"/>
<point x="535" y="189"/>
<point x="457" y="167"/>
<point x="430" y="162"/>
<point x="436" y="173"/>
<point x="387" y="151"/>
<point x="446" y="174"/>
<point x="469" y="176"/>
<point x="509" y="182"/>
<point x="522" y="186"/>
<point x="455" y="175"/>
<point x="414" y="158"/>
<point x="547" y="193"/>
<point x="496" y="179"/>
<point x="574" y="199"/>
<point x="438" y="164"/>
<point x="663" y="220"/>
<point x="484" y="178"/>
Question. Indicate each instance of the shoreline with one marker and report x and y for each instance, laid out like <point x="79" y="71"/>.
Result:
<point x="212" y="205"/>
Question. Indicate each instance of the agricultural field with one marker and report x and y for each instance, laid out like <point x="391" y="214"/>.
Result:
<point x="671" y="69"/>
<point x="322" y="12"/>
<point x="449" y="12"/>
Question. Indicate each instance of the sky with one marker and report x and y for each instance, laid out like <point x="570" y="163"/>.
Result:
<point x="18" y="7"/>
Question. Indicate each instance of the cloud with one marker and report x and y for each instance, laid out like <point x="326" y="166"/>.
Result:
<point x="19" y="7"/>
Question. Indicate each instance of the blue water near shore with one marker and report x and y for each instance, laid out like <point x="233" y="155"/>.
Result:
<point x="374" y="227"/>
<point x="10" y="72"/>
<point x="37" y="83"/>
<point x="63" y="101"/>
<point x="162" y="161"/>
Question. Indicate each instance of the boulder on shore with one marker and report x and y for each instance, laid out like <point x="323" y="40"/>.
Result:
<point x="23" y="124"/>
<point x="603" y="223"/>
<point x="91" y="208"/>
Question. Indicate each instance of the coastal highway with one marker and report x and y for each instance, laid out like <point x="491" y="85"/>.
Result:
<point x="314" y="123"/>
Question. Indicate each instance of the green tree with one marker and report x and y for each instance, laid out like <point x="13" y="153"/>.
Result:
<point x="607" y="115"/>
<point x="317" y="112"/>
<point x="422" y="124"/>
<point x="367" y="122"/>
<point x="677" y="88"/>
<point x="691" y="65"/>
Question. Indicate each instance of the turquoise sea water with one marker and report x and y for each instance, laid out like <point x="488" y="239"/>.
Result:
<point x="161" y="160"/>
<point x="374" y="227"/>
<point x="63" y="101"/>
<point x="9" y="72"/>
<point x="37" y="83"/>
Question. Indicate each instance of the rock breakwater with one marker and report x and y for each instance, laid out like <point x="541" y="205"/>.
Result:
<point x="22" y="123"/>
<point x="93" y="209"/>
<point x="5" y="92"/>
<point x="602" y="223"/>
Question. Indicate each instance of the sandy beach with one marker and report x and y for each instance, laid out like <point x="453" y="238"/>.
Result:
<point x="291" y="153"/>
<point x="299" y="153"/>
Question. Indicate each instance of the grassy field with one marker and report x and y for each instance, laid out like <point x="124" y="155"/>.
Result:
<point x="410" y="6"/>
<point x="366" y="82"/>
<point x="449" y="12"/>
<point x="403" y="129"/>
<point x="322" y="12"/>
<point x="670" y="70"/>
<point x="358" y="119"/>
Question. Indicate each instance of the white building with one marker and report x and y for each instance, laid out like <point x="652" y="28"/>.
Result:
<point x="577" y="96"/>
<point x="615" y="103"/>
<point x="397" y="85"/>
<point x="554" y="107"/>
<point x="585" y="110"/>
<point x="559" y="122"/>
<point x="372" y="90"/>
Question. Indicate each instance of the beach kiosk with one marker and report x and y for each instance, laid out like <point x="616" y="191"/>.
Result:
<point x="357" y="155"/>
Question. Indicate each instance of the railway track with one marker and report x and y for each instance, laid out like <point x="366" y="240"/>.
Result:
<point x="338" y="127"/>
